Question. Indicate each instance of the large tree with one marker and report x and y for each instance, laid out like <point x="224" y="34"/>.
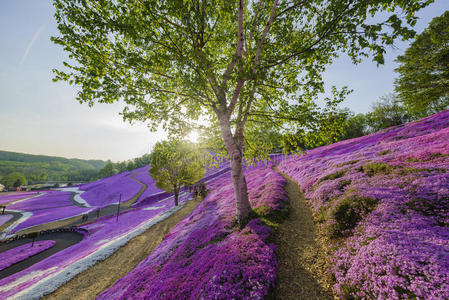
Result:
<point x="239" y="63"/>
<point x="423" y="83"/>
<point x="175" y="164"/>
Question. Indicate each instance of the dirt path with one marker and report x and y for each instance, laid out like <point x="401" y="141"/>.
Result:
<point x="102" y="275"/>
<point x="302" y="258"/>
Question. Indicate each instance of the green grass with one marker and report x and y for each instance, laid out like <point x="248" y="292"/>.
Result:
<point x="376" y="168"/>
<point x="333" y="176"/>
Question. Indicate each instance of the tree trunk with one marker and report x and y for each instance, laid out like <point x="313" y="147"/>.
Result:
<point x="243" y="206"/>
<point x="176" y="192"/>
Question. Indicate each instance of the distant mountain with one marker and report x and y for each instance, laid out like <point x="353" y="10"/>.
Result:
<point x="39" y="168"/>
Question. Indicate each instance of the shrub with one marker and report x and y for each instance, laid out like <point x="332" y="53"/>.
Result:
<point x="377" y="168"/>
<point x="348" y="213"/>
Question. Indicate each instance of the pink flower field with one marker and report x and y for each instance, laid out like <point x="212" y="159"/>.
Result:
<point x="383" y="199"/>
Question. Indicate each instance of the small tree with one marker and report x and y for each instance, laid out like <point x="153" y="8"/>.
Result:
<point x="423" y="83"/>
<point x="174" y="164"/>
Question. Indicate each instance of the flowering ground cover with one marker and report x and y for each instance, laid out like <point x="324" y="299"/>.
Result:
<point x="142" y="175"/>
<point x="49" y="207"/>
<point x="16" y="196"/>
<point x="106" y="235"/>
<point x="383" y="200"/>
<point x="17" y="254"/>
<point x="203" y="257"/>
<point x="107" y="191"/>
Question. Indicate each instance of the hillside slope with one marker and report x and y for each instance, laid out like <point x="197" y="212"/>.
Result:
<point x="43" y="167"/>
<point x="383" y="202"/>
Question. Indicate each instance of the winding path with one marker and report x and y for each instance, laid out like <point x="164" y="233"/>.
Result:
<point x="301" y="255"/>
<point x="63" y="240"/>
<point x="76" y="220"/>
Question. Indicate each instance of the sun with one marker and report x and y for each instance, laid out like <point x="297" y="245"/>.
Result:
<point x="193" y="136"/>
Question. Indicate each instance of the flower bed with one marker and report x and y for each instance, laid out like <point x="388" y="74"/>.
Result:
<point x="16" y="196"/>
<point x="204" y="258"/>
<point x="385" y="198"/>
<point x="17" y="254"/>
<point x="142" y="175"/>
<point x="51" y="206"/>
<point x="107" y="191"/>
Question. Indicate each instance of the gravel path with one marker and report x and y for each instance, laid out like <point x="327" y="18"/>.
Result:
<point x="89" y="284"/>
<point x="301" y="256"/>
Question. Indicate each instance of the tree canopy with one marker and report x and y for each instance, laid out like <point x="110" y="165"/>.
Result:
<point x="244" y="66"/>
<point x="174" y="164"/>
<point x="14" y="179"/>
<point x="423" y="83"/>
<point x="107" y="170"/>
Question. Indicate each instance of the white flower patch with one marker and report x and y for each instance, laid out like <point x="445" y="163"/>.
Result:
<point x="77" y="198"/>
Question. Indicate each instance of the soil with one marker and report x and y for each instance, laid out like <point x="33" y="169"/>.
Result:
<point x="301" y="254"/>
<point x="90" y="283"/>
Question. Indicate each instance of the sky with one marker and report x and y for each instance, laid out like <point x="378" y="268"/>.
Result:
<point x="38" y="116"/>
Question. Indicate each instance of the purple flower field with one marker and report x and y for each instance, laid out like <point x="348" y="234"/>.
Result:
<point x="16" y="196"/>
<point x="142" y="175"/>
<point x="204" y="258"/>
<point x="22" y="252"/>
<point x="51" y="206"/>
<point x="383" y="199"/>
<point x="105" y="236"/>
<point x="107" y="191"/>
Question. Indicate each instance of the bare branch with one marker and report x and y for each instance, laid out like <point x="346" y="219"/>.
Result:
<point x="264" y="34"/>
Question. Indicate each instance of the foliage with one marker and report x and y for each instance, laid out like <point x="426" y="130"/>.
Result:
<point x="376" y="168"/>
<point x="389" y="210"/>
<point x="40" y="168"/>
<point x="174" y="164"/>
<point x="423" y="82"/>
<point x="387" y="112"/>
<point x="242" y="66"/>
<point x="14" y="179"/>
<point x="355" y="125"/>
<point x="107" y="170"/>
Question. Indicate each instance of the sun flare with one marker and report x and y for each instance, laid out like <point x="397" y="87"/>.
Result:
<point x="193" y="136"/>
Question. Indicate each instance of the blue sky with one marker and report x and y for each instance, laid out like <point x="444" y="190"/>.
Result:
<point x="39" y="116"/>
